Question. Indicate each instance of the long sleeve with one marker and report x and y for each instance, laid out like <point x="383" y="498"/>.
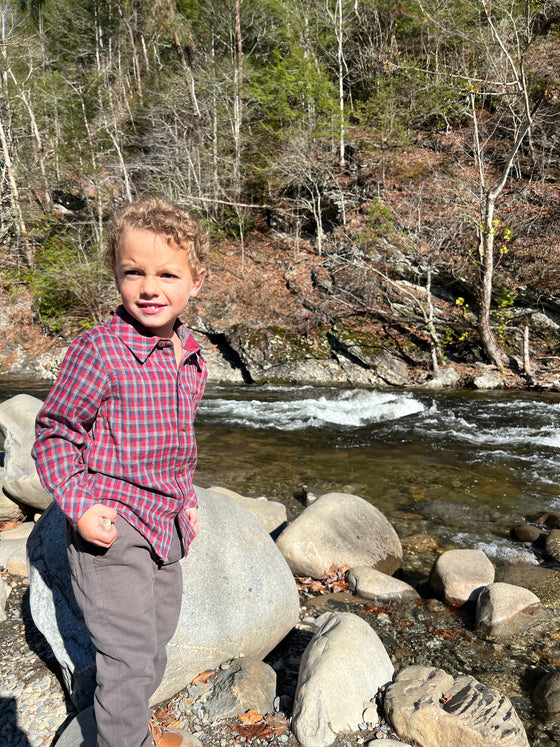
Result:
<point x="63" y="429"/>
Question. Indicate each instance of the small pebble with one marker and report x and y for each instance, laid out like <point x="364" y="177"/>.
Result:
<point x="105" y="523"/>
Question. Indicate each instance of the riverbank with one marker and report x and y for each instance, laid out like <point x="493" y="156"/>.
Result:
<point x="26" y="351"/>
<point x="425" y="631"/>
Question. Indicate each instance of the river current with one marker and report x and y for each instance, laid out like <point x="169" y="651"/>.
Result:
<point x="493" y="449"/>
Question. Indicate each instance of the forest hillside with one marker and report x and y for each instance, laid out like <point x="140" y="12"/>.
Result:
<point x="377" y="178"/>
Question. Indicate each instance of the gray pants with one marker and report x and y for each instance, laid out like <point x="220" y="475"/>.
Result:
<point x="131" y="603"/>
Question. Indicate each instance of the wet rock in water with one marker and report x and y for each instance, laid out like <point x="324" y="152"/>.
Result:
<point x="459" y="575"/>
<point x="549" y="519"/>
<point x="368" y="583"/>
<point x="245" y="684"/>
<point x="433" y="709"/>
<point x="17" y="422"/>
<point x="525" y="532"/>
<point x="460" y="515"/>
<point x="553" y="544"/>
<point x="342" y="669"/>
<point x="546" y="696"/>
<point x="419" y="543"/>
<point x="504" y="611"/>
<point x="340" y="529"/>
<point x="543" y="582"/>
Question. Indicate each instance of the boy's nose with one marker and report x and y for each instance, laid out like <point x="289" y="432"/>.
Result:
<point x="149" y="286"/>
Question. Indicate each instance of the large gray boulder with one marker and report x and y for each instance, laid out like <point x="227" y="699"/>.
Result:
<point x="342" y="670"/>
<point x="431" y="708"/>
<point x="17" y="423"/>
<point x="340" y="529"/>
<point x="239" y="598"/>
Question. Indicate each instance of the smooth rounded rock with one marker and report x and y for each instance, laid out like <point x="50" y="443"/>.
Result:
<point x="368" y="583"/>
<point x="13" y="541"/>
<point x="525" y="532"/>
<point x="343" y="668"/>
<point x="543" y="582"/>
<point x="17" y="422"/>
<point x="271" y="514"/>
<point x="9" y="510"/>
<point x="488" y="380"/>
<point x="546" y="696"/>
<point x="239" y="598"/>
<point x="504" y="610"/>
<point x="459" y="575"/>
<point x="340" y="529"/>
<point x="553" y="544"/>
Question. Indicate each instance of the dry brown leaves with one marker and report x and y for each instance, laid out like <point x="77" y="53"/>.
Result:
<point x="333" y="581"/>
<point x="10" y="524"/>
<point x="202" y="677"/>
<point x="256" y="726"/>
<point x="167" y="718"/>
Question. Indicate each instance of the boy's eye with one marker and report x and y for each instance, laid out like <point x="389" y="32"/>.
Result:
<point x="168" y="275"/>
<point x="132" y="273"/>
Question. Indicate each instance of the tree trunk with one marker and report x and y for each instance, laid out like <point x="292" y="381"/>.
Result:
<point x="486" y="250"/>
<point x="14" y="192"/>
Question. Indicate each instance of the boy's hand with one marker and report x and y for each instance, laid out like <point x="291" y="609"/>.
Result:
<point x="97" y="525"/>
<point x="192" y="517"/>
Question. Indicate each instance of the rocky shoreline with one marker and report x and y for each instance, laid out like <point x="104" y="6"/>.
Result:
<point x="421" y="631"/>
<point x="236" y="359"/>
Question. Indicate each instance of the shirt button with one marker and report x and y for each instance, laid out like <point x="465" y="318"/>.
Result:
<point x="180" y="470"/>
<point x="184" y="428"/>
<point x="161" y="344"/>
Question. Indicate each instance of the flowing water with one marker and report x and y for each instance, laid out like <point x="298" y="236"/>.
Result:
<point x="497" y="449"/>
<point x="494" y="451"/>
<point x="394" y="448"/>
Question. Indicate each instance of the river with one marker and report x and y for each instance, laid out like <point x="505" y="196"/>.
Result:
<point x="394" y="448"/>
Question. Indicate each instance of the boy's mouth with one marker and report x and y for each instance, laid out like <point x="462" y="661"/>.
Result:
<point x="150" y="308"/>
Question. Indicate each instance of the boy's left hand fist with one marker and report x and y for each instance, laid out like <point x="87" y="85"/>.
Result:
<point x="97" y="525"/>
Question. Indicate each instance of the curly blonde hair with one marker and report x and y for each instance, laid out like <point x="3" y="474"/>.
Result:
<point x="165" y="218"/>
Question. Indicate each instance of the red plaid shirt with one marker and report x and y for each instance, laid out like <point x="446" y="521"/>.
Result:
<point x="117" y="428"/>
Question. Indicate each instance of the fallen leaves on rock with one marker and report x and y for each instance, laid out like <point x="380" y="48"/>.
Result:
<point x="256" y="726"/>
<point x="10" y="524"/>
<point x="202" y="677"/>
<point x="165" y="715"/>
<point x="333" y="581"/>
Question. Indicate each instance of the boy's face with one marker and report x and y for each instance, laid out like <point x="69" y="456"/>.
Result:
<point x="154" y="279"/>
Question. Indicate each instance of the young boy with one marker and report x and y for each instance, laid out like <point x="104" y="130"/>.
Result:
<point x="115" y="448"/>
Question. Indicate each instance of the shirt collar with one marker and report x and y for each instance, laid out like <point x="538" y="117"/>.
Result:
<point x="141" y="344"/>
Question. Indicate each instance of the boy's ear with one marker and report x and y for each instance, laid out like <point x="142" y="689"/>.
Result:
<point x="197" y="284"/>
